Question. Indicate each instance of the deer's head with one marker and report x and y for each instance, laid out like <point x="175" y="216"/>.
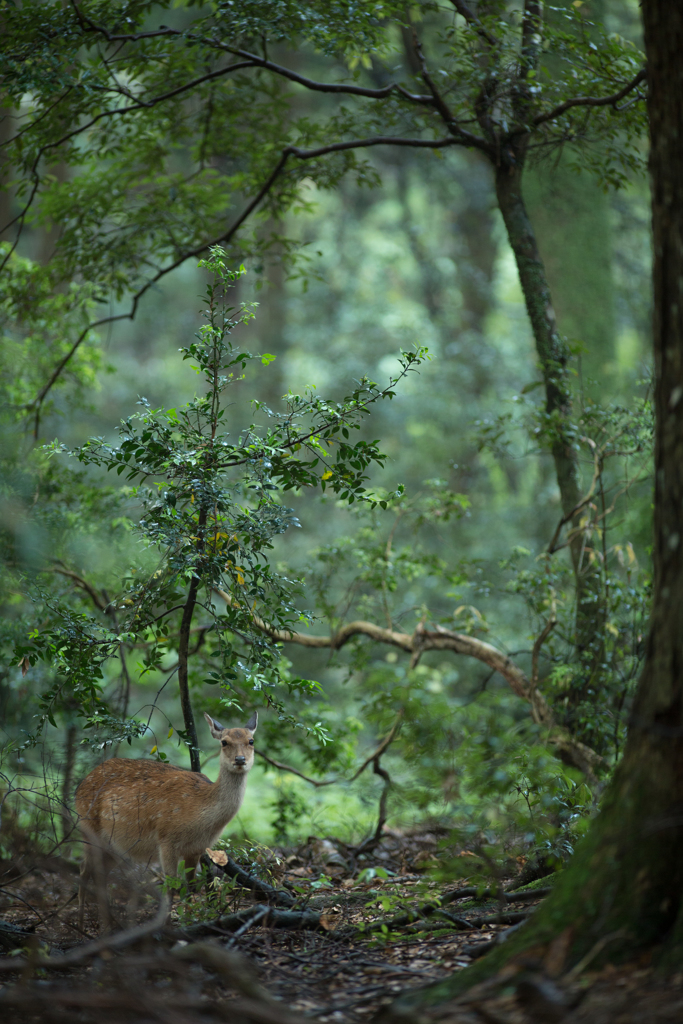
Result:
<point x="237" y="745"/>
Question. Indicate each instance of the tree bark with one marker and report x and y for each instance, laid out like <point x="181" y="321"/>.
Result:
<point x="625" y="882"/>
<point x="183" y="671"/>
<point x="184" y="655"/>
<point x="553" y="355"/>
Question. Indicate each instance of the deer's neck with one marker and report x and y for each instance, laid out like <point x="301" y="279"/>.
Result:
<point x="227" y="793"/>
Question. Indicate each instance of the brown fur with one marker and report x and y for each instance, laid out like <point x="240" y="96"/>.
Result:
<point x="147" y="811"/>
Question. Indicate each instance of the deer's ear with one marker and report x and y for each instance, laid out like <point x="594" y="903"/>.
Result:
<point x="253" y="722"/>
<point x="215" y="727"/>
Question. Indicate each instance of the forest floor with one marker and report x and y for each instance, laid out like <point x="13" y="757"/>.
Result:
<point x="223" y="954"/>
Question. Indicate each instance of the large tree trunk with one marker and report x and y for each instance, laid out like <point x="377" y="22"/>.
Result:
<point x="626" y="879"/>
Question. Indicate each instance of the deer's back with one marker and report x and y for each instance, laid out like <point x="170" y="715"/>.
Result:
<point x="135" y="805"/>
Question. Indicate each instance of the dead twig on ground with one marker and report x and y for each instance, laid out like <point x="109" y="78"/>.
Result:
<point x="472" y="893"/>
<point x="271" y="917"/>
<point x="80" y="954"/>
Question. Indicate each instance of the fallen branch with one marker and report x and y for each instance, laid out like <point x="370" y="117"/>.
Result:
<point x="13" y="937"/>
<point x="270" y="917"/>
<point x="80" y="954"/>
<point x="507" y="917"/>
<point x="470" y="892"/>
<point x="469" y="924"/>
<point x="136" y="1005"/>
<point x="250" y="882"/>
<point x="231" y="966"/>
<point x="255" y="919"/>
<point x="134" y="1002"/>
<point x="479" y="949"/>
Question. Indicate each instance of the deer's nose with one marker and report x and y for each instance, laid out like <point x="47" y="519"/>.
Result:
<point x="240" y="760"/>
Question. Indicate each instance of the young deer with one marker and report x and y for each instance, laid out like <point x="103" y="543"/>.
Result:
<point x="147" y="811"/>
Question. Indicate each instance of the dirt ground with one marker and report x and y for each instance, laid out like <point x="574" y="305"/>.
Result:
<point x="223" y="954"/>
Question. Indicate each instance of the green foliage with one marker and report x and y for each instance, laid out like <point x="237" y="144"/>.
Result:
<point x="514" y="802"/>
<point x="138" y="140"/>
<point x="135" y="147"/>
<point x="208" y="512"/>
<point x="288" y="807"/>
<point x="593" y="681"/>
<point x="40" y="327"/>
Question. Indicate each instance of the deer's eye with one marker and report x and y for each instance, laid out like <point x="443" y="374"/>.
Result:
<point x="251" y="743"/>
<point x="224" y="743"/>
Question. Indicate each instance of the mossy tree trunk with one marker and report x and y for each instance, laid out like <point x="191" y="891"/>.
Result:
<point x="626" y="879"/>
<point x="553" y="356"/>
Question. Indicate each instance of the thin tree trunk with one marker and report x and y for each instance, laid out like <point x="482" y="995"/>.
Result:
<point x="67" y="780"/>
<point x="552" y="351"/>
<point x="570" y="214"/>
<point x="553" y="355"/>
<point x="6" y="132"/>
<point x="184" y="657"/>
<point x="625" y="882"/>
<point x="183" y="682"/>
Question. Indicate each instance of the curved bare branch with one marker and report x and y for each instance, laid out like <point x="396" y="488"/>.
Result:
<point x="574" y="752"/>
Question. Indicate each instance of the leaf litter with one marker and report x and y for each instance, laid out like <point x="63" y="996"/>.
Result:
<point x="224" y="954"/>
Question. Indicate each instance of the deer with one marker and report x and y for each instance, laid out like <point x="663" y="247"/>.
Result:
<point x="143" y="811"/>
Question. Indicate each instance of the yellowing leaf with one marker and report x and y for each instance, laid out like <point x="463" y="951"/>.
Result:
<point x="327" y="474"/>
<point x="219" y="857"/>
<point x="611" y="628"/>
<point x="154" y="749"/>
<point x="330" y="919"/>
<point x="170" y="732"/>
<point x="240" y="578"/>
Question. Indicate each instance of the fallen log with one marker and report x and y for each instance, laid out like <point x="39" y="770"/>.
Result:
<point x="13" y="937"/>
<point x="78" y="955"/>
<point x="226" y="866"/>
<point x="270" y="917"/>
